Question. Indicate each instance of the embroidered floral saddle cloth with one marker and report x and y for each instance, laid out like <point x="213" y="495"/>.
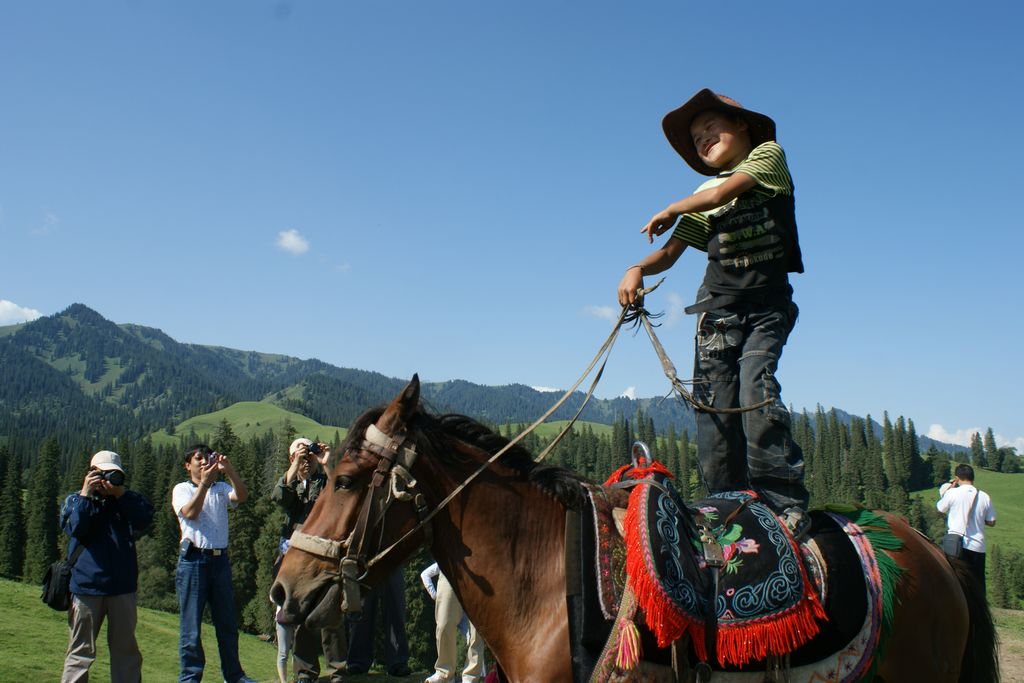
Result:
<point x="764" y="603"/>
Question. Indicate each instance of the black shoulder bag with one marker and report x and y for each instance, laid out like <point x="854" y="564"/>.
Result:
<point x="57" y="582"/>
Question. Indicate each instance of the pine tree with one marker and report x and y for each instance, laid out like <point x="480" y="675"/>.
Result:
<point x="819" y="483"/>
<point x="419" y="613"/>
<point x="920" y="471"/>
<point x="12" y="519"/>
<point x="74" y="474"/>
<point x="977" y="451"/>
<point x="244" y="521"/>
<point x="858" y="460"/>
<point x="693" y="483"/>
<point x="899" y="452"/>
<point x="158" y="552"/>
<point x="258" y="614"/>
<point x="41" y="509"/>
<point x="998" y="590"/>
<point x="991" y="450"/>
<point x="671" y="454"/>
<point x="897" y="501"/>
<point x="1009" y="460"/>
<point x="874" y="470"/>
<point x="142" y="470"/>
<point x="889" y="458"/>
<point x="916" y="516"/>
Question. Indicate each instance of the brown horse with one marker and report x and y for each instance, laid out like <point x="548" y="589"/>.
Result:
<point x="500" y="541"/>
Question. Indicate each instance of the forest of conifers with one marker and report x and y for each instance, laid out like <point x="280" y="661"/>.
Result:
<point x="846" y="463"/>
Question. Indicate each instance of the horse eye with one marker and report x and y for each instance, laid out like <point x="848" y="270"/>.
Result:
<point x="343" y="483"/>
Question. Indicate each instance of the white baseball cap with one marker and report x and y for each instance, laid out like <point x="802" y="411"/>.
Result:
<point x="106" y="460"/>
<point x="301" y="441"/>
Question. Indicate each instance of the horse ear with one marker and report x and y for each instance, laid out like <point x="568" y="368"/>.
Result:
<point x="402" y="408"/>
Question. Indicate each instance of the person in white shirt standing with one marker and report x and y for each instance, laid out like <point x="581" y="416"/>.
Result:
<point x="204" y="572"/>
<point x="968" y="511"/>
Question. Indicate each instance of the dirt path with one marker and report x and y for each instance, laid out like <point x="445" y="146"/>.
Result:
<point x="1010" y="626"/>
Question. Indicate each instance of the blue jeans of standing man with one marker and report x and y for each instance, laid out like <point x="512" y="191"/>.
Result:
<point x="201" y="580"/>
<point x="388" y="599"/>
<point x="737" y="356"/>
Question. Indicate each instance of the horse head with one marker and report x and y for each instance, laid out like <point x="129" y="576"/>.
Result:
<point x="369" y="500"/>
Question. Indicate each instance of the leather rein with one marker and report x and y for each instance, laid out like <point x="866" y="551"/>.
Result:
<point x="397" y="454"/>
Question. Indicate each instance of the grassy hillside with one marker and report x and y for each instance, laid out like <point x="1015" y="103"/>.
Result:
<point x="551" y="429"/>
<point x="247" y="419"/>
<point x="1005" y="491"/>
<point x="33" y="640"/>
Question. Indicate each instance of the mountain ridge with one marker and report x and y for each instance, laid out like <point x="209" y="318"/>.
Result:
<point x="76" y="370"/>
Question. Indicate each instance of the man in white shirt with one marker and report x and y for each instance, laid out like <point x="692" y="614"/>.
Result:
<point x="968" y="511"/>
<point x="204" y="572"/>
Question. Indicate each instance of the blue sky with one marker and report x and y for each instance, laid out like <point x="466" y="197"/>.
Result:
<point x="454" y="188"/>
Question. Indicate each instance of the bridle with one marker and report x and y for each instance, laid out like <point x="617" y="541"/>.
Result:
<point x="392" y="481"/>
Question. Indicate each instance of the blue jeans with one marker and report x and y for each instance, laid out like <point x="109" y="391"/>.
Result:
<point x="202" y="579"/>
<point x="737" y="355"/>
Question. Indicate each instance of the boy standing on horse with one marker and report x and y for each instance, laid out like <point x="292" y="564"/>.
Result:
<point x="743" y="217"/>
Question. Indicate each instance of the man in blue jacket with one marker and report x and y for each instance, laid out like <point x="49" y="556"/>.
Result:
<point x="105" y="519"/>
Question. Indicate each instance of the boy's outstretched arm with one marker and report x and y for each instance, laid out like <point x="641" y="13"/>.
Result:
<point x="702" y="200"/>
<point x="657" y="261"/>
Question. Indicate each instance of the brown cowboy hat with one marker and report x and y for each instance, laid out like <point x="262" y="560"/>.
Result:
<point x="676" y="125"/>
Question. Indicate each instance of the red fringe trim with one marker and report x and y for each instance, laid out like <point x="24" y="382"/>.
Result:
<point x="736" y="645"/>
<point x="617" y="475"/>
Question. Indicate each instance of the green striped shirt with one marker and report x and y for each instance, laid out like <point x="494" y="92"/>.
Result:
<point x="766" y="164"/>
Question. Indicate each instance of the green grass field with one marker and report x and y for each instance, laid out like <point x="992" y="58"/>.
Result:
<point x="248" y="419"/>
<point x="34" y="639"/>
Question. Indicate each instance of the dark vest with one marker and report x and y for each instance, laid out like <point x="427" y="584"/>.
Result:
<point x="752" y="248"/>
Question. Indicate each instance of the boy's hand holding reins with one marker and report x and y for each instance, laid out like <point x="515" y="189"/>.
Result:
<point x="632" y="281"/>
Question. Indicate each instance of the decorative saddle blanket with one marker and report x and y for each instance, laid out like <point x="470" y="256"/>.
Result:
<point x="764" y="603"/>
<point x="842" y="664"/>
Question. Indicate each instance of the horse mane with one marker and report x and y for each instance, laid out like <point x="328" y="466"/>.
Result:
<point x="432" y="433"/>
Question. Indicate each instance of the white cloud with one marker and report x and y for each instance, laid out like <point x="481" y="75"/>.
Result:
<point x="674" y="313"/>
<point x="292" y="242"/>
<point x="603" y="312"/>
<point x="545" y="390"/>
<point x="11" y="313"/>
<point x="962" y="437"/>
<point x="50" y="222"/>
<point x="629" y="392"/>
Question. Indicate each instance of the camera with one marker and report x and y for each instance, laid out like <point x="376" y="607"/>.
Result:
<point x="314" y="448"/>
<point x="113" y="477"/>
<point x="212" y="458"/>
